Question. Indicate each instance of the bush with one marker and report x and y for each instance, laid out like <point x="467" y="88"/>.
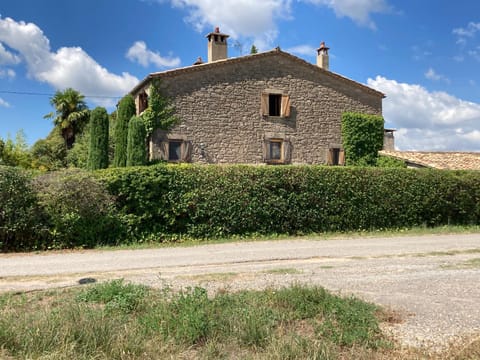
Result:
<point x="20" y="217"/>
<point x="80" y="211"/>
<point x="215" y="201"/>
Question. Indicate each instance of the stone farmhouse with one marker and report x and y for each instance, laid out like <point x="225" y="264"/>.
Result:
<point x="265" y="108"/>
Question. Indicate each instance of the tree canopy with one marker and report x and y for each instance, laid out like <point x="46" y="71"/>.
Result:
<point x="70" y="115"/>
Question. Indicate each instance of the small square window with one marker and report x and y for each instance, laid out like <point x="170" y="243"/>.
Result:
<point x="274" y="104"/>
<point x="174" y="150"/>
<point x="275" y="150"/>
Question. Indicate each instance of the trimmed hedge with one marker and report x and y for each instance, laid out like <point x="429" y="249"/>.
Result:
<point x="213" y="201"/>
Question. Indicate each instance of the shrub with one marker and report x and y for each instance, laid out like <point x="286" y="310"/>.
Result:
<point x="126" y="109"/>
<point x="215" y="201"/>
<point x="362" y="136"/>
<point x="98" y="150"/>
<point x="80" y="211"/>
<point x="136" y="142"/>
<point x="20" y="217"/>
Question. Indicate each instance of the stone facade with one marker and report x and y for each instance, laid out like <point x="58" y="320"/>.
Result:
<point x="223" y="119"/>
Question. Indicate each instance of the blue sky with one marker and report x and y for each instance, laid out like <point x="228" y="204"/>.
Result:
<point x="423" y="54"/>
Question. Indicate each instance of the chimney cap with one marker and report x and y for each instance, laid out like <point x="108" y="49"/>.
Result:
<point x="217" y="32"/>
<point x="323" y="46"/>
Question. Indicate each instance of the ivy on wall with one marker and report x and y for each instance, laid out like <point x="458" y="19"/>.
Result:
<point x="362" y="138"/>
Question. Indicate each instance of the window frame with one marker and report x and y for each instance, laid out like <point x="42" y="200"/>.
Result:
<point x="284" y="151"/>
<point x="284" y="104"/>
<point x="186" y="149"/>
<point x="336" y="156"/>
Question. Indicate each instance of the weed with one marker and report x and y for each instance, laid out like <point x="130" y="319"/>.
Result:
<point x="284" y="271"/>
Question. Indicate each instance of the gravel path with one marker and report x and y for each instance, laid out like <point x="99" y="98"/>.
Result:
<point x="432" y="281"/>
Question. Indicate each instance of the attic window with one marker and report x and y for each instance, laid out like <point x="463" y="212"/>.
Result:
<point x="275" y="103"/>
<point x="142" y="102"/>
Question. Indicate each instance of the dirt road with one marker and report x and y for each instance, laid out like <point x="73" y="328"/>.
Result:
<point x="432" y="281"/>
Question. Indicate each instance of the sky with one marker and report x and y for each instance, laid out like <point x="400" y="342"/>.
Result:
<point x="424" y="55"/>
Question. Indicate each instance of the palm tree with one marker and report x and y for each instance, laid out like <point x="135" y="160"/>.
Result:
<point x="71" y="114"/>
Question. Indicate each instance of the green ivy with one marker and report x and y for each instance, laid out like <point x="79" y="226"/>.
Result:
<point x="160" y="113"/>
<point x="362" y="138"/>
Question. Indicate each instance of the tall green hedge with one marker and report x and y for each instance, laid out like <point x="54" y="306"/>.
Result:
<point x="204" y="201"/>
<point x="98" y="149"/>
<point x="362" y="136"/>
<point x="136" y="142"/>
<point x="126" y="109"/>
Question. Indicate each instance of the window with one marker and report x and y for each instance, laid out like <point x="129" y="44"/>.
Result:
<point x="142" y="102"/>
<point x="275" y="103"/>
<point x="176" y="151"/>
<point x="336" y="156"/>
<point x="277" y="151"/>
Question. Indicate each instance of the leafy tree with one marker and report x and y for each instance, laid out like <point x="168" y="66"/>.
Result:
<point x="98" y="150"/>
<point x="16" y="152"/>
<point x="362" y="138"/>
<point x="126" y="109"/>
<point x="50" y="153"/>
<point x="160" y="113"/>
<point x="71" y="114"/>
<point x="253" y="49"/>
<point x="136" y="142"/>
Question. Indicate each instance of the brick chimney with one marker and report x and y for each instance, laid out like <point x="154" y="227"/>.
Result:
<point x="217" y="45"/>
<point x="322" y="56"/>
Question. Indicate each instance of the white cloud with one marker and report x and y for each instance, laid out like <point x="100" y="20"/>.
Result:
<point x="431" y="74"/>
<point x="139" y="53"/>
<point x="4" y="103"/>
<point x="428" y="120"/>
<point x="358" y="10"/>
<point x="305" y="50"/>
<point x="67" y="67"/>
<point x="7" y="73"/>
<point x="251" y="19"/>
<point x="8" y="58"/>
<point x="469" y="31"/>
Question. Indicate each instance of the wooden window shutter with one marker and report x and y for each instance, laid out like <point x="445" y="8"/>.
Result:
<point x="285" y="109"/>
<point x="186" y="151"/>
<point x="266" y="150"/>
<point x="341" y="157"/>
<point x="330" y="157"/>
<point x="264" y="104"/>
<point x="163" y="148"/>
<point x="287" y="151"/>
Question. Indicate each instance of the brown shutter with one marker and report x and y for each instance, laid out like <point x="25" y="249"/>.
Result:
<point x="287" y="151"/>
<point x="285" y="109"/>
<point x="163" y="150"/>
<point x="264" y="104"/>
<point x="330" y="157"/>
<point x="186" y="151"/>
<point x="341" y="157"/>
<point x="266" y="150"/>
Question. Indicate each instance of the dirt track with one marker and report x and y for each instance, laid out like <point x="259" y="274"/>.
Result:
<point x="432" y="281"/>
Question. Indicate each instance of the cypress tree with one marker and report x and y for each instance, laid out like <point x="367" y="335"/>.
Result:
<point x="136" y="146"/>
<point x="126" y="109"/>
<point x="98" y="150"/>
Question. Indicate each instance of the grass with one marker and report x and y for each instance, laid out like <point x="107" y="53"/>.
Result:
<point x="153" y="242"/>
<point x="117" y="320"/>
<point x="283" y="271"/>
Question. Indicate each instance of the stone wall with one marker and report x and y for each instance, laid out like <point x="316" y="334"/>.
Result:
<point x="220" y="112"/>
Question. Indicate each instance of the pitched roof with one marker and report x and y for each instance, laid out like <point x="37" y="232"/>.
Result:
<point x="247" y="58"/>
<point x="438" y="160"/>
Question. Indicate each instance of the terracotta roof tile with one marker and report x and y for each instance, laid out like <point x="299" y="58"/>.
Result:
<point x="439" y="160"/>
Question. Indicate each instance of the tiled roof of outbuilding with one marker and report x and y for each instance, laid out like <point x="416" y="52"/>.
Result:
<point x="439" y="160"/>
